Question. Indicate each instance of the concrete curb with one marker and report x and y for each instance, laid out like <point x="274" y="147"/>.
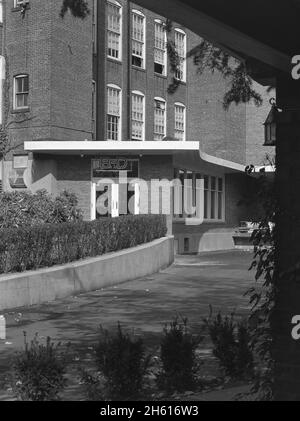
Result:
<point x="46" y="285"/>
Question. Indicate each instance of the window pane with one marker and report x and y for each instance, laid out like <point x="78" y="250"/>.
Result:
<point x="160" y="46"/>
<point x="113" y="30"/>
<point x="159" y="120"/>
<point x="113" y="113"/>
<point x="138" y="39"/>
<point x="181" y="50"/>
<point x="137" y="117"/>
<point x="179" y="122"/>
<point x="220" y="206"/>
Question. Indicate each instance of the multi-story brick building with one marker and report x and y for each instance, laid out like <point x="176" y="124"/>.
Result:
<point x="84" y="99"/>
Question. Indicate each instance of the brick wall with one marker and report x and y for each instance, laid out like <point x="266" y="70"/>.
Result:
<point x="74" y="175"/>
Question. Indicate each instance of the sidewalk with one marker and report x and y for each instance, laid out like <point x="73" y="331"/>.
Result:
<point x="144" y="305"/>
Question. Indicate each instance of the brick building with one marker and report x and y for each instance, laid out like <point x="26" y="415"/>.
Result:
<point x="83" y="100"/>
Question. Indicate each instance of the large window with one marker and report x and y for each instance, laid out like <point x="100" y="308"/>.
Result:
<point x="160" y="48"/>
<point x="114" y="30"/>
<point x="21" y="92"/>
<point x="214" y="198"/>
<point x="180" y="117"/>
<point x="138" y="116"/>
<point x="160" y="120"/>
<point x="114" y="95"/>
<point x="138" y="39"/>
<point x="180" y="45"/>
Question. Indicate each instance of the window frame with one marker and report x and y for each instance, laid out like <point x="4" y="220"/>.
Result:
<point x="142" y="95"/>
<point x="165" y="64"/>
<point x="120" y="51"/>
<point x="216" y="191"/>
<point x="143" y="57"/>
<point x="184" y="63"/>
<point x="180" y="105"/>
<point x="116" y="88"/>
<point x="182" y="174"/>
<point x="165" y="119"/>
<point x="15" y="93"/>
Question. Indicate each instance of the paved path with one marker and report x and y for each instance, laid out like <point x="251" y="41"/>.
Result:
<point x="145" y="305"/>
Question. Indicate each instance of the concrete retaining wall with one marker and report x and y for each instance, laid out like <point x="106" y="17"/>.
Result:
<point x="37" y="287"/>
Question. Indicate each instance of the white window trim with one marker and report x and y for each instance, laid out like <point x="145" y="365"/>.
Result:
<point x="112" y="86"/>
<point x="138" y="12"/>
<point x="144" y="114"/>
<point x="159" y="21"/>
<point x="180" y="104"/>
<point x="185" y="51"/>
<point x="216" y="220"/>
<point x="183" y="219"/>
<point x="115" y="3"/>
<point x="15" y="107"/>
<point x="166" y="111"/>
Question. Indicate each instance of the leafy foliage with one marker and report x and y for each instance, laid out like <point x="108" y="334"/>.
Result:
<point x="208" y="57"/>
<point x="39" y="371"/>
<point x="178" y="356"/>
<point x="78" y="8"/>
<point x="34" y="247"/>
<point x="262" y="297"/>
<point x="122" y="365"/>
<point x="231" y="342"/>
<point x="23" y="209"/>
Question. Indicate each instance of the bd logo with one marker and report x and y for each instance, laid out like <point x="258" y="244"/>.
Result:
<point x="296" y="329"/>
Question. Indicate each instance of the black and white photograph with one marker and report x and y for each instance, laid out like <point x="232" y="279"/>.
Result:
<point x="149" y="204"/>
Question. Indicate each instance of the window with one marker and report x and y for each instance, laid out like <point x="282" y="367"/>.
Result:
<point x="1" y="11"/>
<point x="214" y="198"/>
<point x="114" y="30"/>
<point x="160" y="48"/>
<point x="138" y="39"/>
<point x="180" y="116"/>
<point x="21" y="91"/>
<point x="138" y="116"/>
<point x="114" y="94"/>
<point x="180" y="45"/>
<point x="159" y="119"/>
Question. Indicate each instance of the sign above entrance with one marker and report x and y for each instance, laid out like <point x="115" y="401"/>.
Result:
<point x="111" y="167"/>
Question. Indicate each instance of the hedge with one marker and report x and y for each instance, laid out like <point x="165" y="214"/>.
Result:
<point x="29" y="248"/>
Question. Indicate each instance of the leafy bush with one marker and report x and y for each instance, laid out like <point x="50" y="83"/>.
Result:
<point x="231" y="342"/>
<point x="29" y="248"/>
<point x="23" y="209"/>
<point x="178" y="356"/>
<point x="39" y="371"/>
<point x="122" y="366"/>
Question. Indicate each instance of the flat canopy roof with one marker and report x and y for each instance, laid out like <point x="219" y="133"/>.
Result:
<point x="272" y="22"/>
<point x="267" y="31"/>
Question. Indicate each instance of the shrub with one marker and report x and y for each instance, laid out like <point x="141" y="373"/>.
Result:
<point x="231" y="342"/>
<point x="29" y="248"/>
<point x="178" y="356"/>
<point x="39" y="371"/>
<point x="23" y="209"/>
<point x="122" y="366"/>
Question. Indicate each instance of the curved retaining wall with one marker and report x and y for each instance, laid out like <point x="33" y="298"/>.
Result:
<point x="46" y="285"/>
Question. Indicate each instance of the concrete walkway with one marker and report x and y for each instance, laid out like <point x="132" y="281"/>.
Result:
<point x="144" y="305"/>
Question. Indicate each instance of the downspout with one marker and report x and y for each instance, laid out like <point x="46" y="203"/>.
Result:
<point x="129" y="70"/>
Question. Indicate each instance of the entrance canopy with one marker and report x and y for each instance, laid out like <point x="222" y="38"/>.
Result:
<point x="266" y="32"/>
